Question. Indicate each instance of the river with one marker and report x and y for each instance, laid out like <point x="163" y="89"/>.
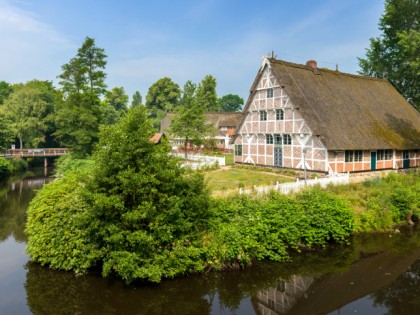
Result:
<point x="375" y="274"/>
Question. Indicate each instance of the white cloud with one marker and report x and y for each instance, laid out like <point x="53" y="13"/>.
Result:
<point x="29" y="48"/>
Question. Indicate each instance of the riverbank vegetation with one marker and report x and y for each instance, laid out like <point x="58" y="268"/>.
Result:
<point x="132" y="211"/>
<point x="9" y="166"/>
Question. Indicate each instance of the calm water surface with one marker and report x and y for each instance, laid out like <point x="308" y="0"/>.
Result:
<point x="377" y="274"/>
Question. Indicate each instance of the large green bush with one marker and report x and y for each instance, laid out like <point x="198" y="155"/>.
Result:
<point x="329" y="217"/>
<point x="135" y="213"/>
<point x="245" y="228"/>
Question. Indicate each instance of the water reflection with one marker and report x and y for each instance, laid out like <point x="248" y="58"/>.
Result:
<point x="377" y="273"/>
<point x="55" y="292"/>
<point x="282" y="298"/>
<point x="14" y="199"/>
<point x="396" y="270"/>
<point x="403" y="295"/>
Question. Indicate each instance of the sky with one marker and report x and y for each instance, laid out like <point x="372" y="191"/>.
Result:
<point x="183" y="40"/>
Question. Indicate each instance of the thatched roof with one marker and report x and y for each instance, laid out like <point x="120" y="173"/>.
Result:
<point x="348" y="112"/>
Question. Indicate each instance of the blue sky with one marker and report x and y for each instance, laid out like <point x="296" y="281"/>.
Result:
<point x="183" y="40"/>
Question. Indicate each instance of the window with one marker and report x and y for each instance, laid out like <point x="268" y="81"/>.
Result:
<point x="270" y="93"/>
<point x="281" y="286"/>
<point x="287" y="139"/>
<point x="238" y="150"/>
<point x="263" y="115"/>
<point x="278" y="139"/>
<point x="384" y="155"/>
<point x="269" y="139"/>
<point x="354" y="156"/>
<point x="279" y="114"/>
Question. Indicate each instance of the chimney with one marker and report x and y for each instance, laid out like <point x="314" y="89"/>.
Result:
<point x="312" y="64"/>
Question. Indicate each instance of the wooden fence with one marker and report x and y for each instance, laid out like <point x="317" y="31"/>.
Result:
<point x="197" y="161"/>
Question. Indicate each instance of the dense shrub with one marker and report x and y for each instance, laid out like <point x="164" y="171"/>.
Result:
<point x="135" y="213"/>
<point x="329" y="217"/>
<point x="5" y="168"/>
<point x="56" y="229"/>
<point x="18" y="165"/>
<point x="245" y="229"/>
<point x="8" y="166"/>
<point x="70" y="163"/>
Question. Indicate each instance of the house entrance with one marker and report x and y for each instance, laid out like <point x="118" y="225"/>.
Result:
<point x="406" y="159"/>
<point x="373" y="161"/>
<point x="278" y="156"/>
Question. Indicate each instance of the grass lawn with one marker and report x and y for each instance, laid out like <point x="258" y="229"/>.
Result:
<point x="223" y="180"/>
<point x="228" y="157"/>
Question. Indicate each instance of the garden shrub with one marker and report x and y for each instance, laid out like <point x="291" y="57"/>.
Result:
<point x="55" y="226"/>
<point x="329" y="217"/>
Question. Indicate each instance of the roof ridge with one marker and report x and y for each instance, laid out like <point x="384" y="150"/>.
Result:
<point x="305" y="67"/>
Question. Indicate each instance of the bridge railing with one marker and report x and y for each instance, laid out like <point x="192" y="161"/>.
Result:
<point x="37" y="152"/>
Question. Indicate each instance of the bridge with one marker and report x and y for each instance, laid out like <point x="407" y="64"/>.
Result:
<point x="37" y="152"/>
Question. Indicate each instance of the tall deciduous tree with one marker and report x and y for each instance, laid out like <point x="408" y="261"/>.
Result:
<point x="162" y="98"/>
<point x="28" y="108"/>
<point x="118" y="99"/>
<point x="206" y="94"/>
<point x="395" y="54"/>
<point x="188" y="121"/>
<point x="83" y="83"/>
<point x="137" y="99"/>
<point x="6" y="132"/>
<point x="5" y="90"/>
<point x="231" y="103"/>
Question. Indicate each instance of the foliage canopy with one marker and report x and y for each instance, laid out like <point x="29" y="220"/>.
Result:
<point x="395" y="53"/>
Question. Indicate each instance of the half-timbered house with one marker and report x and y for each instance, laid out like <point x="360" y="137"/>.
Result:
<point x="224" y="123"/>
<point x="301" y="116"/>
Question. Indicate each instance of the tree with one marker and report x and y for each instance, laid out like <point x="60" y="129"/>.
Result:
<point x="118" y="99"/>
<point x="6" y="132"/>
<point x="162" y="98"/>
<point x="231" y="103"/>
<point x="5" y="90"/>
<point x="188" y="94"/>
<point x="188" y="121"/>
<point x="28" y="109"/>
<point x="137" y="99"/>
<point x="79" y="115"/>
<point x="206" y="94"/>
<point x="395" y="53"/>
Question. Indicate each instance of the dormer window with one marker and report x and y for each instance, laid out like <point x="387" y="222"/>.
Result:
<point x="263" y="115"/>
<point x="270" y="93"/>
